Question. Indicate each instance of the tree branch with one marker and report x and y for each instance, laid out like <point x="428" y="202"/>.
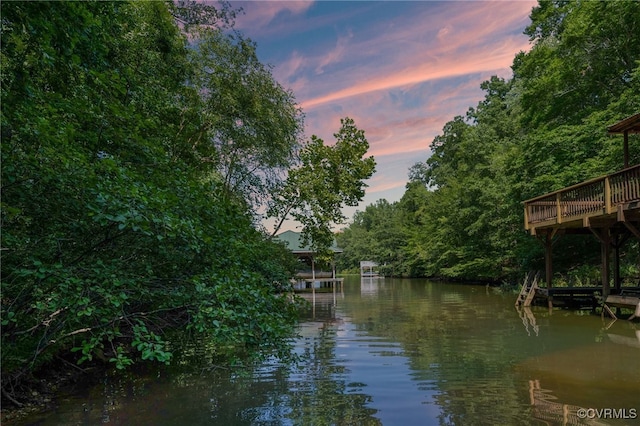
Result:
<point x="10" y="398"/>
<point x="46" y="323"/>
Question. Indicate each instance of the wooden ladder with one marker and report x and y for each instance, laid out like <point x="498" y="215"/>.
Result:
<point x="528" y="290"/>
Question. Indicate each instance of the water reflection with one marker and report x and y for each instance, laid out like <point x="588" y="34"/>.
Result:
<point x="528" y="320"/>
<point x="633" y="340"/>
<point x="369" y="285"/>
<point x="394" y="352"/>
<point x="580" y="381"/>
<point x="547" y="408"/>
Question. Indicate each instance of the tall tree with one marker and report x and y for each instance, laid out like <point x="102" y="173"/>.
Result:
<point x="374" y="234"/>
<point x="250" y="125"/>
<point x="328" y="178"/>
<point x="583" y="58"/>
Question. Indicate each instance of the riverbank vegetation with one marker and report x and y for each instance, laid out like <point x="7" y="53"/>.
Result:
<point x="461" y="216"/>
<point x="140" y="142"/>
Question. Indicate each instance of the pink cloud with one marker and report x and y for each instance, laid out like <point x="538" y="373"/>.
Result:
<point x="381" y="183"/>
<point x="337" y="54"/>
<point x="401" y="79"/>
<point x="465" y="44"/>
<point x="470" y="63"/>
<point x="392" y="128"/>
<point x="264" y="14"/>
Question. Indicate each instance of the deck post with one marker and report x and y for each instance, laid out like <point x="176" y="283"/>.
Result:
<point x="333" y="269"/>
<point x="605" y="250"/>
<point x="625" y="148"/>
<point x="606" y="254"/>
<point x="616" y="263"/>
<point x="333" y="284"/>
<point x="548" y="264"/>
<point x="313" y="283"/>
<point x="617" y="243"/>
<point x="604" y="236"/>
<point x="607" y="195"/>
<point x="548" y="269"/>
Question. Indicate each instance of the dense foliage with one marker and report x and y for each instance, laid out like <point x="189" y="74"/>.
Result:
<point x="138" y="142"/>
<point x="461" y="216"/>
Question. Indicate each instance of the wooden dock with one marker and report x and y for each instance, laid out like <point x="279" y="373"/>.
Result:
<point x="623" y="301"/>
<point x="577" y="297"/>
<point x="327" y="282"/>
<point x="368" y="269"/>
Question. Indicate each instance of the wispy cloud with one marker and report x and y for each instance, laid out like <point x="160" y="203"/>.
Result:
<point x="401" y="70"/>
<point x="267" y="18"/>
<point x="335" y="55"/>
<point x="428" y="47"/>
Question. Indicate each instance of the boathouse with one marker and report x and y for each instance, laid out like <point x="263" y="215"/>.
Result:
<point x="368" y="269"/>
<point x="606" y="207"/>
<point x="310" y="269"/>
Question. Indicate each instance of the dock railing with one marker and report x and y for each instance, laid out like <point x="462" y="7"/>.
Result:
<point x="599" y="196"/>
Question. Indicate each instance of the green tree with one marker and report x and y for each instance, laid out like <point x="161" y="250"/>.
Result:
<point x="328" y="178"/>
<point x="374" y="234"/>
<point x="115" y="233"/>
<point x="249" y="124"/>
<point x="582" y="60"/>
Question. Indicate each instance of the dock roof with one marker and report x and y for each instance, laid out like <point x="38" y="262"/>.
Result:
<point x="294" y="242"/>
<point x="630" y="124"/>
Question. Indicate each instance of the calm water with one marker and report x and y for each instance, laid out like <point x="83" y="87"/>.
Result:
<point x="398" y="352"/>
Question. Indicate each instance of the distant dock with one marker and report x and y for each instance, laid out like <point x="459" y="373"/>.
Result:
<point x="367" y="269"/>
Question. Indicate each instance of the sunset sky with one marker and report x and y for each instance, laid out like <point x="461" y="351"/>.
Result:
<point x="400" y="69"/>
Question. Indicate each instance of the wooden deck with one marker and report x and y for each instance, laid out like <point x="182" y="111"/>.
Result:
<point x="323" y="281"/>
<point x="607" y="207"/>
<point x="596" y="203"/>
<point x="580" y="297"/>
<point x="610" y="198"/>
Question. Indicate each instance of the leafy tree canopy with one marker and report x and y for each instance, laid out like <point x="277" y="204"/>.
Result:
<point x="133" y="144"/>
<point x="461" y="215"/>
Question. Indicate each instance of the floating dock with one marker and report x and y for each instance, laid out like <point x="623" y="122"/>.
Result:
<point x="623" y="301"/>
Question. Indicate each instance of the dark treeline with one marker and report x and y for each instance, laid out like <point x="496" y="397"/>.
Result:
<point x="140" y="141"/>
<point x="461" y="216"/>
